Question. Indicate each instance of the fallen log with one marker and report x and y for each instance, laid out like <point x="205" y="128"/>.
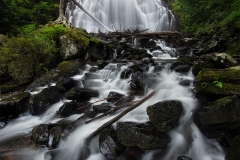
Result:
<point x="115" y="119"/>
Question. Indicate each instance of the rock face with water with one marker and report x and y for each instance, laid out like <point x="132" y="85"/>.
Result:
<point x="14" y="106"/>
<point x="109" y="145"/>
<point x="142" y="135"/>
<point x="165" y="115"/>
<point x="43" y="100"/>
<point x="80" y="94"/>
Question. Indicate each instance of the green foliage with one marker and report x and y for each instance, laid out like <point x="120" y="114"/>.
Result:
<point x="95" y="39"/>
<point x="207" y="15"/>
<point x="204" y="84"/>
<point x="218" y="84"/>
<point x="36" y="50"/>
<point x="17" y="13"/>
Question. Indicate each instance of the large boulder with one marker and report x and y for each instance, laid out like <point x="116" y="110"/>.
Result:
<point x="69" y="48"/>
<point x="96" y="51"/>
<point x="165" y="115"/>
<point x="109" y="145"/>
<point x="200" y="65"/>
<point x="183" y="64"/>
<point x="142" y="135"/>
<point x="14" y="106"/>
<point x="113" y="97"/>
<point x="233" y="153"/>
<point x="218" y="82"/>
<point x="40" y="102"/>
<point x="221" y="114"/>
<point x="69" y="108"/>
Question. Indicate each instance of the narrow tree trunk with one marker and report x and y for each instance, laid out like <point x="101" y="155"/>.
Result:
<point x="62" y="18"/>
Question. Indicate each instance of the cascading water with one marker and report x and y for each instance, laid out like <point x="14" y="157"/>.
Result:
<point x="186" y="139"/>
<point x="121" y="15"/>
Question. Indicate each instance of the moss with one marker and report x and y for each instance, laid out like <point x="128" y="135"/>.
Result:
<point x="8" y="88"/>
<point x="69" y="67"/>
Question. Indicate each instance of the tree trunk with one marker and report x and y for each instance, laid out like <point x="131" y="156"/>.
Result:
<point x="62" y="18"/>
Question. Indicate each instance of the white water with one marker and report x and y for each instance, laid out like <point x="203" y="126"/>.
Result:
<point x="120" y="15"/>
<point x="186" y="139"/>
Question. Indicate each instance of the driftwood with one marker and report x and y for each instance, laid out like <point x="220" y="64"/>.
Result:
<point x="110" y="111"/>
<point x="107" y="124"/>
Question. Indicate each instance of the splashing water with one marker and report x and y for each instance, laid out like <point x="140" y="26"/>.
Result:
<point x="122" y="15"/>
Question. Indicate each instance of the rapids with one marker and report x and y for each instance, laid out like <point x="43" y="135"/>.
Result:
<point x="186" y="139"/>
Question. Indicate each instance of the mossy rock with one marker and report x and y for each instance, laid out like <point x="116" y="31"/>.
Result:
<point x="223" y="111"/>
<point x="69" y="68"/>
<point x="219" y="82"/>
<point x="165" y="115"/>
<point x="8" y="88"/>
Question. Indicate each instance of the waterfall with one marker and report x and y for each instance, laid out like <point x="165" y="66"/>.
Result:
<point x="120" y="15"/>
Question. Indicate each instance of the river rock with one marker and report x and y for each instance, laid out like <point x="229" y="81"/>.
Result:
<point x="102" y="108"/>
<point x="218" y="82"/>
<point x="81" y="94"/>
<point x="69" y="108"/>
<point x="221" y="114"/>
<point x="113" y="97"/>
<point x="69" y="68"/>
<point x="109" y="145"/>
<point x="183" y="64"/>
<point x="132" y="153"/>
<point x="40" y="102"/>
<point x="165" y="115"/>
<point x="147" y="43"/>
<point x="6" y="88"/>
<point x="223" y="60"/>
<point x="142" y="135"/>
<point x="14" y="106"/>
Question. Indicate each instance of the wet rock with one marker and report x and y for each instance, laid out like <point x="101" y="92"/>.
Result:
<point x="109" y="146"/>
<point x="90" y="113"/>
<point x="184" y="158"/>
<point x="2" y="125"/>
<point x="113" y="97"/>
<point x="69" y="68"/>
<point x="52" y="76"/>
<point x="142" y="135"/>
<point x="80" y="94"/>
<point x="185" y="82"/>
<point x="165" y="115"/>
<point x="49" y="135"/>
<point x="54" y="136"/>
<point x="40" y="102"/>
<point x="184" y="68"/>
<point x="218" y="82"/>
<point x="66" y="84"/>
<point x="124" y="100"/>
<point x="125" y="74"/>
<point x="102" y="108"/>
<point x="40" y="134"/>
<point x="221" y="114"/>
<point x="223" y="60"/>
<point x="93" y="69"/>
<point x="69" y="108"/>
<point x="14" y="106"/>
<point x="51" y="155"/>
<point x="158" y="68"/>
